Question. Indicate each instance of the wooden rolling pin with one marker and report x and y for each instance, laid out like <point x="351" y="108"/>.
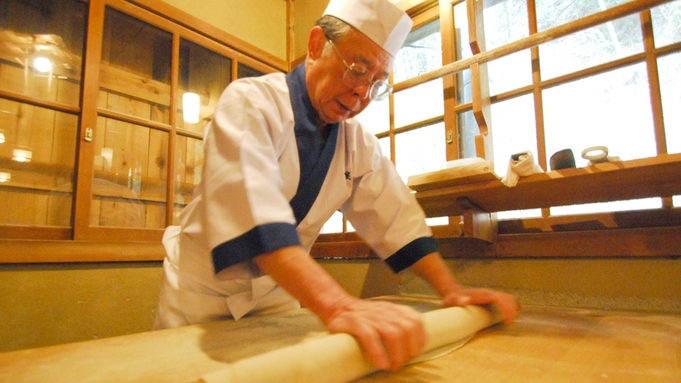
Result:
<point x="338" y="358"/>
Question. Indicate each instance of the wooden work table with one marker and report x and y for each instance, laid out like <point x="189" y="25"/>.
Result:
<point x="546" y="344"/>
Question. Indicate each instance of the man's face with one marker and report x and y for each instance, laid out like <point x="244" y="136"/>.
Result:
<point x="333" y="99"/>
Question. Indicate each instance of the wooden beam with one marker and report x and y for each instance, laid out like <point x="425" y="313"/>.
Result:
<point x="478" y="223"/>
<point x="41" y="251"/>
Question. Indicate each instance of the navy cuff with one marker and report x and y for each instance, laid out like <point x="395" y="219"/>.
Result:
<point x="259" y="240"/>
<point x="411" y="253"/>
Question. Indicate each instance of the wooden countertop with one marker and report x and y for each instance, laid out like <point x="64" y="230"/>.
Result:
<point x="546" y="344"/>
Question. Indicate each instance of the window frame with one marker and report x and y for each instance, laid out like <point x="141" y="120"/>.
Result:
<point x="82" y="242"/>
<point x="515" y="239"/>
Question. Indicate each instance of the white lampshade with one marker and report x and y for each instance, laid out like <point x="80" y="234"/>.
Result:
<point x="191" y="104"/>
<point x="4" y="176"/>
<point x="22" y="154"/>
<point x="42" y="64"/>
<point x="2" y="137"/>
<point x="107" y="155"/>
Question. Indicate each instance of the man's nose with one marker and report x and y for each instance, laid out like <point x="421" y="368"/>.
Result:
<point x="363" y="90"/>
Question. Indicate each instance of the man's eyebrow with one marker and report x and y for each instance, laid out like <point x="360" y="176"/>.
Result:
<point x="363" y="60"/>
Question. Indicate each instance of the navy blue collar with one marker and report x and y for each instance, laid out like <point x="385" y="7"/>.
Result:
<point x="314" y="155"/>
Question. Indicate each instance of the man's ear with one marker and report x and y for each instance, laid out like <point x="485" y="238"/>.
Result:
<point x="316" y="43"/>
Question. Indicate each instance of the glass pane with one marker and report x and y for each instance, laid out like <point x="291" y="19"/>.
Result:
<point x="513" y="130"/>
<point x="334" y="224"/>
<point x="606" y="207"/>
<point x="468" y="129"/>
<point x="41" y="45"/>
<point x="384" y="143"/>
<point x="419" y="103"/>
<point x="129" y="186"/>
<point x="421" y="53"/>
<point x="515" y="214"/>
<point x="669" y="69"/>
<point x="462" y="50"/>
<point x="601" y="44"/>
<point x="510" y="72"/>
<point x="188" y="165"/>
<point x="420" y="150"/>
<point x="551" y="13"/>
<point x="134" y="74"/>
<point x="505" y="22"/>
<point x="666" y="21"/>
<point x="246" y="71"/>
<point x="611" y="109"/>
<point x="464" y="92"/>
<point x="205" y="74"/>
<point x="437" y="221"/>
<point x="376" y="117"/>
<point x="37" y="159"/>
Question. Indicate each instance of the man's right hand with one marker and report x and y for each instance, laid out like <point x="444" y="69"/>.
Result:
<point x="390" y="334"/>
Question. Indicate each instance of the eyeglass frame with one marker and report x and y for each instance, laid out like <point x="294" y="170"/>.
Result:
<point x="374" y="87"/>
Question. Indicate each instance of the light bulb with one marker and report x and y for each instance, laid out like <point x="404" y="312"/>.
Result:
<point x="190" y="107"/>
<point x="42" y="64"/>
<point x="22" y="154"/>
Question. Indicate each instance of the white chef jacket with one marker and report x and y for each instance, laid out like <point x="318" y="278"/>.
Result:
<point x="268" y="182"/>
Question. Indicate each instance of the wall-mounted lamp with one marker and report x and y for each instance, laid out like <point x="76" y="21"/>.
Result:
<point x="191" y="104"/>
<point x="42" y="64"/>
<point x="2" y="137"/>
<point x="4" y="176"/>
<point x="21" y="154"/>
<point x="107" y="155"/>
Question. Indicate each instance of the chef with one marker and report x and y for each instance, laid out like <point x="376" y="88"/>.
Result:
<point x="282" y="154"/>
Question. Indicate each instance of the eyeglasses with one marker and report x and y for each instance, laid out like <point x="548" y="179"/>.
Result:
<point x="356" y="76"/>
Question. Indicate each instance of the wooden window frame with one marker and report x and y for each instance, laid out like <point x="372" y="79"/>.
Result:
<point x="658" y="226"/>
<point x="82" y="242"/>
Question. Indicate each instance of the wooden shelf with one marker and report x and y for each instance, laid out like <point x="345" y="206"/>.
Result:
<point x="612" y="181"/>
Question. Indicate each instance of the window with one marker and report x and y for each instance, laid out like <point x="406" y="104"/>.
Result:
<point x="591" y="87"/>
<point x="40" y="75"/>
<point x="133" y="143"/>
<point x="588" y="88"/>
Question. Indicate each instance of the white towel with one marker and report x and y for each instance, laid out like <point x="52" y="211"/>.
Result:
<point x="522" y="167"/>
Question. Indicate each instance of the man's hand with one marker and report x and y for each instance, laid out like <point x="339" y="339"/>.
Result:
<point x="506" y="303"/>
<point x="433" y="269"/>
<point x="389" y="334"/>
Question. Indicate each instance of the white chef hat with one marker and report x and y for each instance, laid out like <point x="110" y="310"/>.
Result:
<point x="379" y="20"/>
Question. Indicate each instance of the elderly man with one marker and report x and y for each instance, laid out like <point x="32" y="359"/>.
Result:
<point x="282" y="155"/>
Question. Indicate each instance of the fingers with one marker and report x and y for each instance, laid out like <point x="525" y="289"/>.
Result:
<point x="390" y="335"/>
<point x="404" y="337"/>
<point x="507" y="304"/>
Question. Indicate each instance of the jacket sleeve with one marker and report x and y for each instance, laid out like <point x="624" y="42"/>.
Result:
<point x="383" y="210"/>
<point x="246" y="212"/>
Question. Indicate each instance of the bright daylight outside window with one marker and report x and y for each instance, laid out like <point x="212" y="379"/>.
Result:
<point x="610" y="108"/>
<point x="583" y="105"/>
